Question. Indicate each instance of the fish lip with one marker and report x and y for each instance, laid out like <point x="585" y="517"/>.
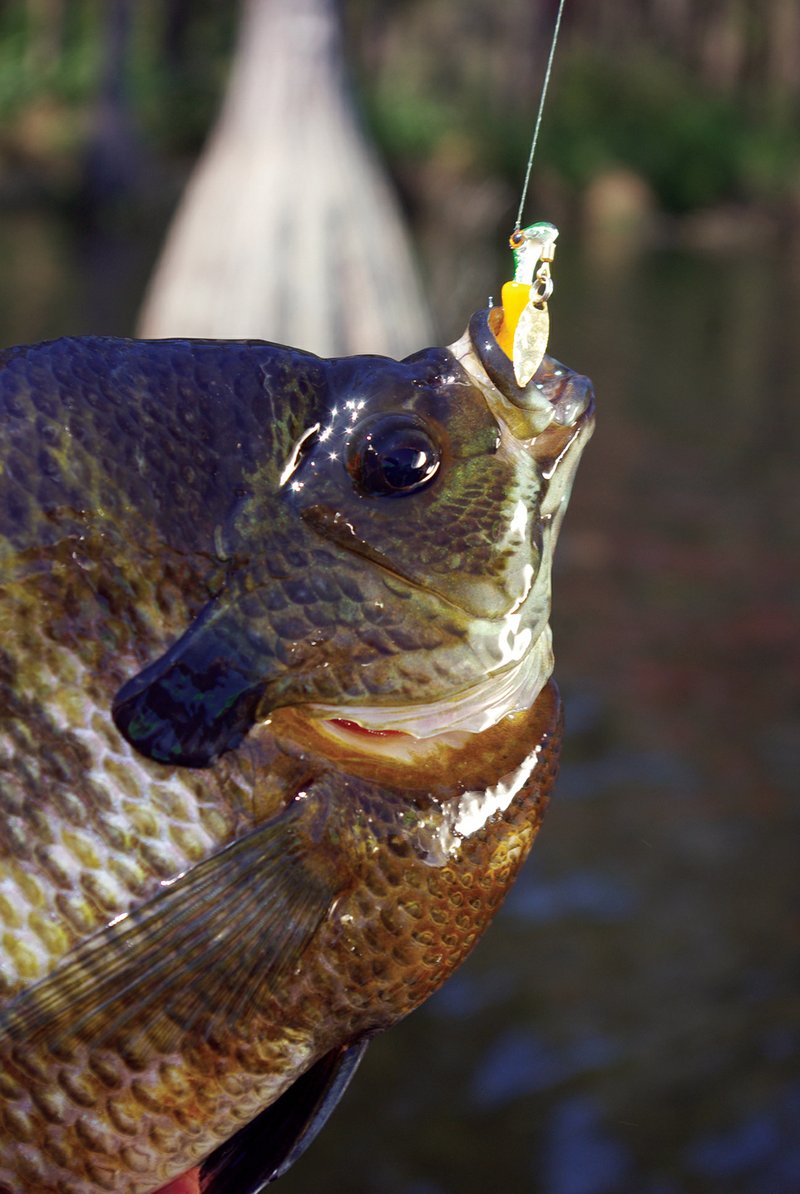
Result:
<point x="552" y="379"/>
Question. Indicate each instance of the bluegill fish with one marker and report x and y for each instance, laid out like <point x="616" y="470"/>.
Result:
<point x="278" y="727"/>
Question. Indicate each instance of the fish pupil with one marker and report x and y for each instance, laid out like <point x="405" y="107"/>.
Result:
<point x="392" y="456"/>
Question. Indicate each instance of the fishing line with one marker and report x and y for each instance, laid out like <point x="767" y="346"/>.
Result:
<point x="535" y="137"/>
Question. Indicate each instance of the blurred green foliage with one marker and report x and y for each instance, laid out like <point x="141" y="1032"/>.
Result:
<point x="177" y="91"/>
<point x="55" y="55"/>
<point x="37" y="63"/>
<point x="694" y="148"/>
<point x="427" y="92"/>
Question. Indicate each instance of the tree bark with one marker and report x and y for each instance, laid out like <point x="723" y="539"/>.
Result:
<point x="288" y="230"/>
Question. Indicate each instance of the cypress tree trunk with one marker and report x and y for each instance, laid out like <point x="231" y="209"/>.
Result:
<point x="288" y="230"/>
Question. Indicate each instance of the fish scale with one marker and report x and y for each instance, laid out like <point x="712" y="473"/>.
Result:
<point x="100" y="841"/>
<point x="206" y="887"/>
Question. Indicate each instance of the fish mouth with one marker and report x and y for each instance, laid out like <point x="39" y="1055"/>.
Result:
<point x="555" y="398"/>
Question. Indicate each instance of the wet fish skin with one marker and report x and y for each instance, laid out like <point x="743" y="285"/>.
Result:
<point x="138" y="509"/>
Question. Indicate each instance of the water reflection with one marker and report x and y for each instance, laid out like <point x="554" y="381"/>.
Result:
<point x="631" y="1023"/>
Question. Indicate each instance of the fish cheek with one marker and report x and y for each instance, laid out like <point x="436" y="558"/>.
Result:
<point x="195" y="702"/>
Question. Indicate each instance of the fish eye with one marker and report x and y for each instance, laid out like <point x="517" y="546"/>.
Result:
<point x="392" y="456"/>
<point x="517" y="238"/>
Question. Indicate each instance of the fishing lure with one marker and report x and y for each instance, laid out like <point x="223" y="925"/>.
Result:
<point x="526" y="322"/>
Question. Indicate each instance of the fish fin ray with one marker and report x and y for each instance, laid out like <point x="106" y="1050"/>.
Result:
<point x="269" y="1145"/>
<point x="196" y="956"/>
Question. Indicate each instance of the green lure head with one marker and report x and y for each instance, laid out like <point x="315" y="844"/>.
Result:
<point x="531" y="245"/>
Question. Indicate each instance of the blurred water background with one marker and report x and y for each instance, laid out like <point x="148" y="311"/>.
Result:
<point x="631" y="1022"/>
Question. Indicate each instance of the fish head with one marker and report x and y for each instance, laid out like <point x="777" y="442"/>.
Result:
<point x="392" y="568"/>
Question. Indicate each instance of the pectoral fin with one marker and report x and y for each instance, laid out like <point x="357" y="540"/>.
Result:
<point x="198" y="700"/>
<point x="265" y="1149"/>
<point x="194" y="958"/>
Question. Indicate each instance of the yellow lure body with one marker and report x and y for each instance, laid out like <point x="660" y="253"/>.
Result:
<point x="515" y="297"/>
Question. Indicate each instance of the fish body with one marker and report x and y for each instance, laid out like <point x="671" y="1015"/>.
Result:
<point x="277" y="727"/>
